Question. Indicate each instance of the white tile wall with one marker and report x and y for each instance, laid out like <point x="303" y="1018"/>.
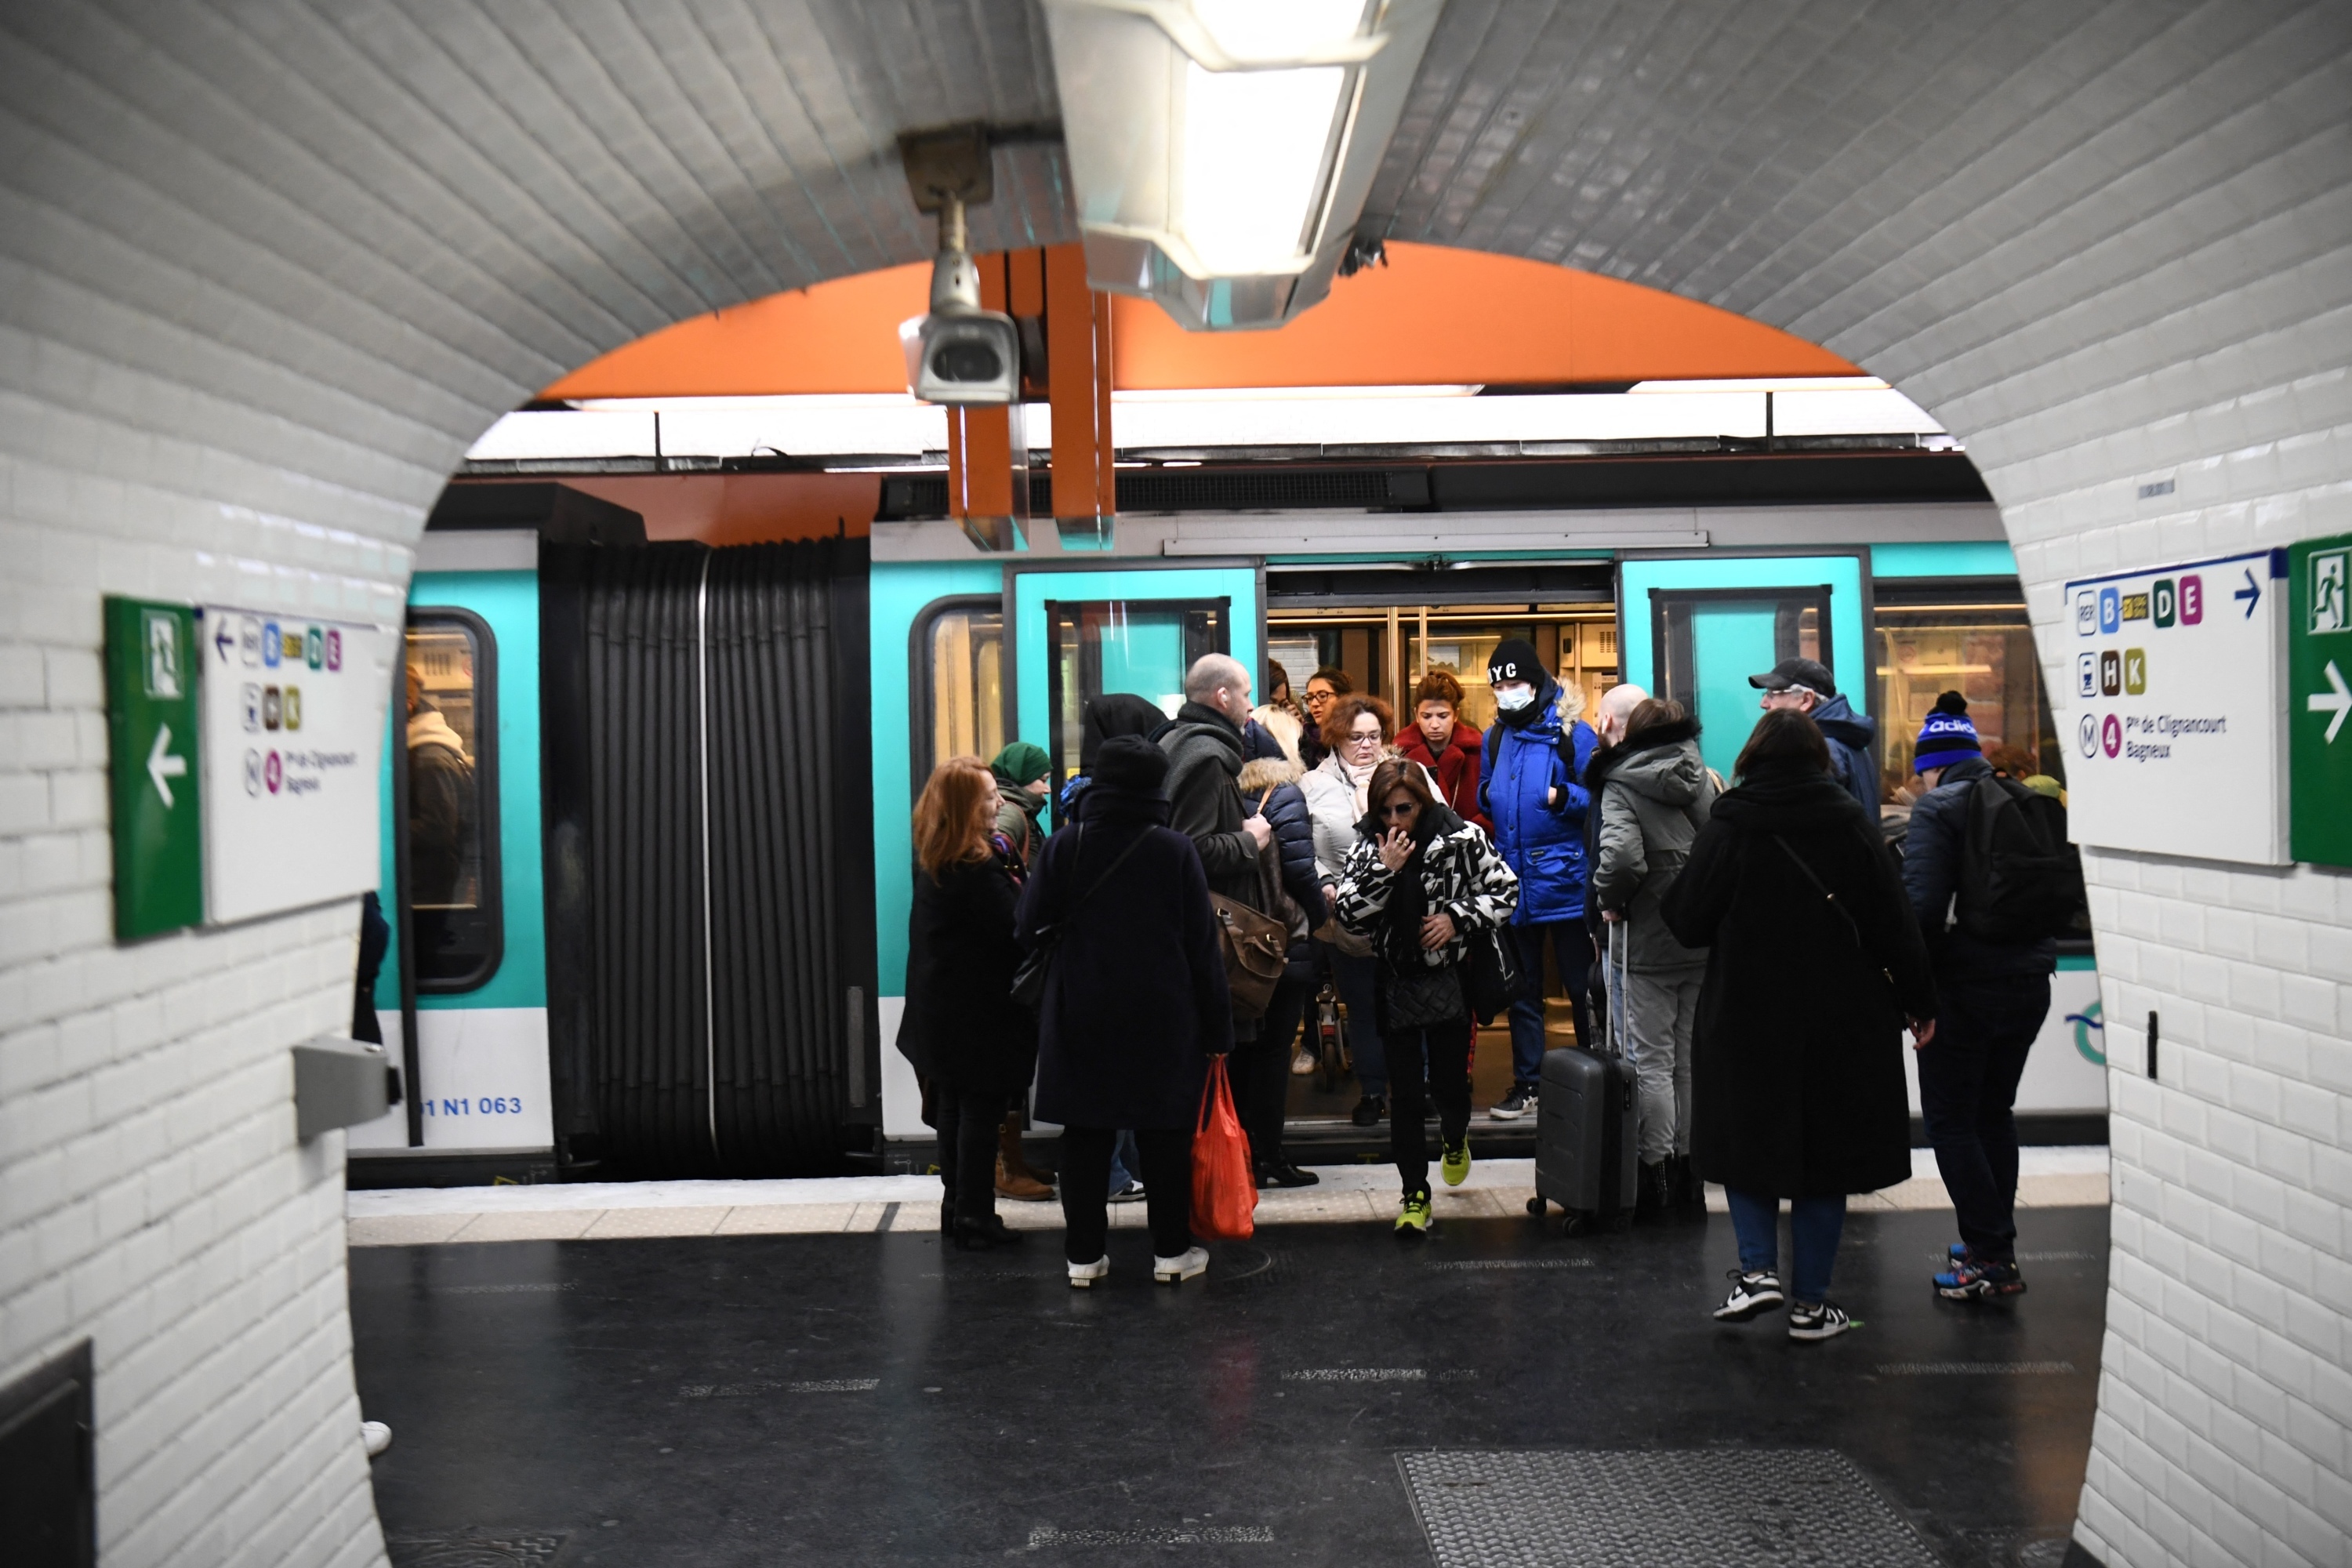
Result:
<point x="267" y="269"/>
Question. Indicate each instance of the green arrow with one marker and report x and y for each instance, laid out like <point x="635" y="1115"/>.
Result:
<point x="163" y="766"/>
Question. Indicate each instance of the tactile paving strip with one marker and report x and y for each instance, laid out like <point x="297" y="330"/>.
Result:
<point x="1770" y="1508"/>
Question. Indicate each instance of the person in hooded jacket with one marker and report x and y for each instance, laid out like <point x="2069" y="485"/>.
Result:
<point x="1532" y="791"/>
<point x="1337" y="792"/>
<point x="1021" y="788"/>
<point x="1814" y="967"/>
<point x="1420" y="882"/>
<point x="1135" y="1005"/>
<point x="969" y="1039"/>
<point x="1106" y="718"/>
<point x="1807" y="687"/>
<point x="1440" y="741"/>
<point x="1261" y="1069"/>
<point x="1651" y="794"/>
<point x="1991" y="998"/>
<point x="443" y="839"/>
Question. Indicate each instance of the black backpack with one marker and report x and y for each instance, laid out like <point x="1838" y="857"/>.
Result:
<point x="2019" y="878"/>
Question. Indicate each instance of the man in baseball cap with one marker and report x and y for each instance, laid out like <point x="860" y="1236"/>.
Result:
<point x="1808" y="686"/>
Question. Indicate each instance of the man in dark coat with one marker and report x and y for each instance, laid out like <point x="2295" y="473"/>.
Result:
<point x="1205" y="749"/>
<point x="1991" y="998"/>
<point x="1806" y="686"/>
<point x="1798" y="1089"/>
<point x="1135" y="1004"/>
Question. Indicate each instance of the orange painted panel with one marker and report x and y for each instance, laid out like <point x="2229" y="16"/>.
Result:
<point x="1434" y="315"/>
<point x="1438" y="316"/>
<point x="841" y="336"/>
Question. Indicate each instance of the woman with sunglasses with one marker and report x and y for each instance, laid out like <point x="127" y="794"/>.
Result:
<point x="1419" y="882"/>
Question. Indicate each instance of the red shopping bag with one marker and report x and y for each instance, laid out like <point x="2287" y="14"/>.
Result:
<point x="1224" y="1191"/>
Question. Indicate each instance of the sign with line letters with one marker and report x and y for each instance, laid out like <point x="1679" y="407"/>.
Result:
<point x="2173" y="731"/>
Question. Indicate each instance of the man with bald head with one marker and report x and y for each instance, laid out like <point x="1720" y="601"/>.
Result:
<point x="1615" y="704"/>
<point x="1203" y="743"/>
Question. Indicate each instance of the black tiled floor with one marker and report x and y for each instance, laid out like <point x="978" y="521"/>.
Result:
<point x="1008" y="1404"/>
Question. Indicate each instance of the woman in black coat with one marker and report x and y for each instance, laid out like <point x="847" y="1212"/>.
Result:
<point x="1135" y="1004"/>
<point x="1814" y="965"/>
<point x="961" y="1029"/>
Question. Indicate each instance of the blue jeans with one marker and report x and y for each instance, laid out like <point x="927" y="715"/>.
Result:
<point x="1815" y="1225"/>
<point x="1125" y="1162"/>
<point x="1573" y="948"/>
<point x="1352" y="978"/>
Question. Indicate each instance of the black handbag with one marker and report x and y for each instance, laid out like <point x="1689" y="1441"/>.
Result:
<point x="1415" y="997"/>
<point x="1029" y="980"/>
<point x="1491" y="973"/>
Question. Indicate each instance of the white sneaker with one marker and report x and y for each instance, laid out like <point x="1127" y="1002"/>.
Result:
<point x="1176" y="1271"/>
<point x="374" y="1437"/>
<point x="1302" y="1063"/>
<point x="1084" y="1275"/>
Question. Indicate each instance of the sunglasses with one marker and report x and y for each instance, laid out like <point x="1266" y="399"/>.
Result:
<point x="1406" y="810"/>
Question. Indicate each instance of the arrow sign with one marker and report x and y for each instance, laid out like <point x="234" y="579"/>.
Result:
<point x="161" y="765"/>
<point x="2250" y="593"/>
<point x="2339" y="702"/>
<point x="223" y="641"/>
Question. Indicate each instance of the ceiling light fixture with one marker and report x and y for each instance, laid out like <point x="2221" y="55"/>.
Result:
<point x="1221" y="149"/>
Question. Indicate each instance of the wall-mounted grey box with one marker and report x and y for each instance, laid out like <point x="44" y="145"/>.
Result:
<point x="341" y="1083"/>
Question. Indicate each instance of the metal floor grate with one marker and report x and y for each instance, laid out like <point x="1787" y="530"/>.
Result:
<point x="1655" y="1508"/>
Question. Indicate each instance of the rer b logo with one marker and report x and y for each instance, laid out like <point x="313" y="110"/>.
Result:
<point x="2330" y="610"/>
<point x="2111" y="610"/>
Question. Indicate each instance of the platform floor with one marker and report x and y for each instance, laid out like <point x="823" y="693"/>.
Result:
<point x="1325" y="1394"/>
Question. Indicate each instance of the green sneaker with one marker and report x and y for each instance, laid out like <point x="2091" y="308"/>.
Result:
<point x="1456" y="1163"/>
<point x="1413" y="1215"/>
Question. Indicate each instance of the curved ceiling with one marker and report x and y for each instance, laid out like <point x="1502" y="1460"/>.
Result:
<point x="1433" y="316"/>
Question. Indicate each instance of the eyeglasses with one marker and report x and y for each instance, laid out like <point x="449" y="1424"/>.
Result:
<point x="1364" y="738"/>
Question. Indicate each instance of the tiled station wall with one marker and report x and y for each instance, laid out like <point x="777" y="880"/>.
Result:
<point x="265" y="272"/>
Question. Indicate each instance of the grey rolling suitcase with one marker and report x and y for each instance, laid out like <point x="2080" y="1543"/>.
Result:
<point x="1586" y="1157"/>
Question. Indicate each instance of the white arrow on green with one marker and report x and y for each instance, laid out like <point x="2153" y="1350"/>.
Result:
<point x="2338" y="701"/>
<point x="161" y="765"/>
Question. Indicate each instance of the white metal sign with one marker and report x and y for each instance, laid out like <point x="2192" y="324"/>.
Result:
<point x="2172" y="700"/>
<point x="293" y="752"/>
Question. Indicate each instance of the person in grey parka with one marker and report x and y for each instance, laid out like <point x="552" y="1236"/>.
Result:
<point x="1651" y="793"/>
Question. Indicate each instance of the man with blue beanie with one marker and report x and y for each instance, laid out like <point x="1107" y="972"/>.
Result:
<point x="1806" y="686"/>
<point x="1531" y="787"/>
<point x="1991" y="997"/>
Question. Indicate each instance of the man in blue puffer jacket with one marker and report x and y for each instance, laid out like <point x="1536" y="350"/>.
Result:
<point x="1531" y="788"/>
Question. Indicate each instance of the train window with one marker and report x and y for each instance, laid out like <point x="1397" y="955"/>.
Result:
<point x="1978" y="642"/>
<point x="1708" y="641"/>
<point x="454" y="928"/>
<point x="1139" y="645"/>
<point x="961" y="666"/>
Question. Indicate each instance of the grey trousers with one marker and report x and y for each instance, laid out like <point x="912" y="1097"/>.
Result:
<point x="1661" y="1013"/>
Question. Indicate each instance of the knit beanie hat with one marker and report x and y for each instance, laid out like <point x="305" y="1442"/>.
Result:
<point x="1021" y="763"/>
<point x="1949" y="736"/>
<point x="1513" y="659"/>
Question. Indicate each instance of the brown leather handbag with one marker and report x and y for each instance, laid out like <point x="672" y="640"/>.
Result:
<point x="1255" y="948"/>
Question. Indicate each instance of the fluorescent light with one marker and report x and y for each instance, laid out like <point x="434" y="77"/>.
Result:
<point x="1252" y="174"/>
<point x="1285" y="393"/>
<point x="1265" y="30"/>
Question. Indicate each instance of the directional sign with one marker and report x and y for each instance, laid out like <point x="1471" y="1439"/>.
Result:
<point x="2318" y="697"/>
<point x="2174" y="708"/>
<point x="150" y="713"/>
<point x="293" y="751"/>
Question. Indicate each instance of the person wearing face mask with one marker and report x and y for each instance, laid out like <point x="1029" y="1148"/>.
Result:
<point x="1531" y="789"/>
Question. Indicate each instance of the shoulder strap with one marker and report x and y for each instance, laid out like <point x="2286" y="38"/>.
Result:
<point x="1819" y="887"/>
<point x="1133" y="845"/>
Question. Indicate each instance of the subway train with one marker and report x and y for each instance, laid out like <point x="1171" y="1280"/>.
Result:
<point x="646" y="843"/>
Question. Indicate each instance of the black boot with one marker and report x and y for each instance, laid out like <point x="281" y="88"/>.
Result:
<point x="1652" y="1202"/>
<point x="980" y="1235"/>
<point x="1690" y="1191"/>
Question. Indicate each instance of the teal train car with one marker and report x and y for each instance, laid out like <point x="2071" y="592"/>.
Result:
<point x="664" y="933"/>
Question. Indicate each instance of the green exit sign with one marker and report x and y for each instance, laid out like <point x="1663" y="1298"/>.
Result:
<point x="152" y="668"/>
<point x="2319" y="700"/>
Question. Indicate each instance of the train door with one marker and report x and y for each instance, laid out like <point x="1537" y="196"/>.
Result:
<point x="1695" y="629"/>
<point x="463" y="991"/>
<point x="1080" y="635"/>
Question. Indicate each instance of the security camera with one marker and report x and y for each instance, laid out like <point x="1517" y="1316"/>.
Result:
<point x="962" y="355"/>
